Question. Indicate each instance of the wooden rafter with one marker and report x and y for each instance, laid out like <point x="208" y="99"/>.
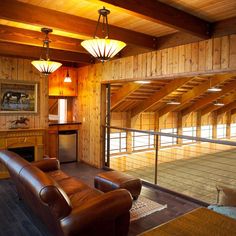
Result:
<point x="34" y="38"/>
<point x="159" y="95"/>
<point x="226" y="108"/>
<point x="32" y="52"/>
<point x="34" y="15"/>
<point x="193" y="93"/>
<point x="164" y="14"/>
<point x="210" y="98"/>
<point x="123" y="93"/>
<point x="226" y="100"/>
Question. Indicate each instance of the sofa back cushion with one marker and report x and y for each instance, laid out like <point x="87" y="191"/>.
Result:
<point x="39" y="187"/>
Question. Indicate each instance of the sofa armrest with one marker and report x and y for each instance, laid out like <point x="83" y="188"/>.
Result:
<point x="47" y="164"/>
<point x="105" y="208"/>
<point x="226" y="196"/>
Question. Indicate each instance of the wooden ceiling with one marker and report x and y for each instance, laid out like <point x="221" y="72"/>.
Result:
<point x="192" y="93"/>
<point x="144" y="25"/>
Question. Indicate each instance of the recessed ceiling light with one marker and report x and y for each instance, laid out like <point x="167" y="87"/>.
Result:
<point x="142" y="82"/>
<point x="214" y="89"/>
<point x="173" y="103"/>
<point x="220" y="104"/>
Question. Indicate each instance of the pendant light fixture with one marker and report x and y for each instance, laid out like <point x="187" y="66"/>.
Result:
<point x="213" y="89"/>
<point x="45" y="65"/>
<point x="67" y="78"/>
<point x="103" y="48"/>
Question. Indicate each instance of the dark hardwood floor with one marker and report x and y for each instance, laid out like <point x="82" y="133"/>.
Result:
<point x="176" y="206"/>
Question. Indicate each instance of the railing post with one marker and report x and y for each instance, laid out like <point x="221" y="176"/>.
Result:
<point x="156" y="159"/>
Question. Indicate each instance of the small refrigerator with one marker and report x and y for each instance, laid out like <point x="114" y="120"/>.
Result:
<point x="68" y="147"/>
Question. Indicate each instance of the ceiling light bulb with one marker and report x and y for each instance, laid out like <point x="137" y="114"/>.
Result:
<point x="214" y="89"/>
<point x="67" y="78"/>
<point x="220" y="104"/>
<point x="142" y="82"/>
<point x="173" y="103"/>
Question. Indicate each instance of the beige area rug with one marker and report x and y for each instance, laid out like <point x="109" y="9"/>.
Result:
<point x="143" y="207"/>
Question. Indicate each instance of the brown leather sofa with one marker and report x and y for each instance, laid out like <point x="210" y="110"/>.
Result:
<point x="65" y="204"/>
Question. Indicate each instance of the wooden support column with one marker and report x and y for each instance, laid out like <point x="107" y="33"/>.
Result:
<point x="199" y="124"/>
<point x="214" y="125"/>
<point x="228" y="123"/>
<point x="129" y="140"/>
<point x="179" y="127"/>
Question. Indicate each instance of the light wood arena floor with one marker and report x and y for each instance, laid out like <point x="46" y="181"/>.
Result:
<point x="193" y="170"/>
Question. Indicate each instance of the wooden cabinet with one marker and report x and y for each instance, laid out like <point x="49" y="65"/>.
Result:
<point x="57" y="86"/>
<point x="53" y="140"/>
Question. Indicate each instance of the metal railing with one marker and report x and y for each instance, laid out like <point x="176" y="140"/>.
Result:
<point x="193" y="169"/>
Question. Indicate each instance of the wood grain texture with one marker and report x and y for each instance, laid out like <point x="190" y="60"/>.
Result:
<point x="203" y="58"/>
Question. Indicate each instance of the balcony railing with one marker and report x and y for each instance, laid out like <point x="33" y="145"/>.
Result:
<point x="189" y="165"/>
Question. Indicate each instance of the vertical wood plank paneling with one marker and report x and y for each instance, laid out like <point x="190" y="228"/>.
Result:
<point x="170" y="61"/>
<point x="164" y="61"/>
<point x="188" y="55"/>
<point x="216" y="53"/>
<point x="159" y="63"/>
<point x="194" y="56"/>
<point x="143" y="65"/>
<point x="209" y="55"/>
<point x="149" y="64"/>
<point x="202" y="56"/>
<point x="153" y="63"/>
<point x="224" y="52"/>
<point x="175" y="60"/>
<point x="181" y="58"/>
<point x="232" y="50"/>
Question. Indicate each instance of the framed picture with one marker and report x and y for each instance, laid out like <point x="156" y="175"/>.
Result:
<point x="18" y="97"/>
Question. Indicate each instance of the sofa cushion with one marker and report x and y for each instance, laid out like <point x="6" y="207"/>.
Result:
<point x="57" y="175"/>
<point x="77" y="199"/>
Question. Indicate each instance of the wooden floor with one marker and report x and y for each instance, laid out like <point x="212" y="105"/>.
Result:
<point x="193" y="170"/>
<point x="176" y="206"/>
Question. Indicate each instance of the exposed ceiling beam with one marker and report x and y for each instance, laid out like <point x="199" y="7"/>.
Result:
<point x="226" y="108"/>
<point x="34" y="38"/>
<point x="32" y="52"/>
<point x="123" y="93"/>
<point x="43" y="17"/>
<point x="210" y="98"/>
<point x="195" y="92"/>
<point x="164" y="14"/>
<point x="219" y="28"/>
<point x="226" y="100"/>
<point x="159" y="95"/>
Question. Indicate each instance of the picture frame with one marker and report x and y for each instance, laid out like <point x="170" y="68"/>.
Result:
<point x="18" y="97"/>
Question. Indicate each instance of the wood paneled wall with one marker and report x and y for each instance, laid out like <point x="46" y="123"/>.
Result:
<point x="15" y="69"/>
<point x="216" y="55"/>
<point x="87" y="109"/>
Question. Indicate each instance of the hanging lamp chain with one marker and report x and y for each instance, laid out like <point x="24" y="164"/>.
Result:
<point x="105" y="27"/>
<point x="46" y="42"/>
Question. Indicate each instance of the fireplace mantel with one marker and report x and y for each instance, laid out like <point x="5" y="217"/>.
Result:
<point x="14" y="138"/>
